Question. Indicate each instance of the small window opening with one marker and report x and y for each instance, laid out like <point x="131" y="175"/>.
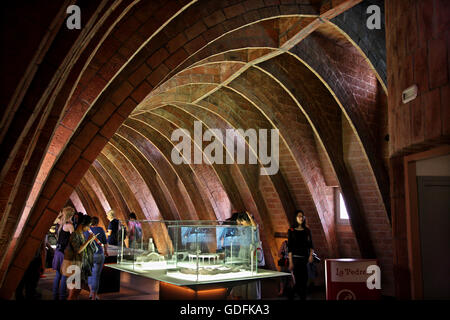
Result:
<point x="343" y="215"/>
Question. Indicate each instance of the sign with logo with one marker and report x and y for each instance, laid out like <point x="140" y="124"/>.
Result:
<point x="352" y="279"/>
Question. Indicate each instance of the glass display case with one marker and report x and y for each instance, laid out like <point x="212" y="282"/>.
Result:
<point x="195" y="251"/>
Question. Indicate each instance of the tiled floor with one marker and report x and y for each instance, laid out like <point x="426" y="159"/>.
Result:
<point x="139" y="288"/>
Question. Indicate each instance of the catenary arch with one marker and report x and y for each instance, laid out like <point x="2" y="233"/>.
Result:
<point x="384" y="183"/>
<point x="233" y="99"/>
<point x="237" y="123"/>
<point x="181" y="193"/>
<point x="266" y="225"/>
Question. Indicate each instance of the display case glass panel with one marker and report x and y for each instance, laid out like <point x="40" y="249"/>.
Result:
<point x="189" y="250"/>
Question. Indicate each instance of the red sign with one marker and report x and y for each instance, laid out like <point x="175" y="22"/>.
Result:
<point x="352" y="279"/>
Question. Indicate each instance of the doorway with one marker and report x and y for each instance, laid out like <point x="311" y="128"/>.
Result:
<point x="434" y="225"/>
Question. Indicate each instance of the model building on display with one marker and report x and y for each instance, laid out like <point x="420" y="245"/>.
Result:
<point x="192" y="250"/>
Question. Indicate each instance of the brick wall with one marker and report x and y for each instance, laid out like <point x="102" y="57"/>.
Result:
<point x="417" y="43"/>
<point x="418" y="53"/>
<point x="371" y="42"/>
<point x="372" y="205"/>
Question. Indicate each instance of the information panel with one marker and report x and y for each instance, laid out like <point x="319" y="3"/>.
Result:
<point x="352" y="279"/>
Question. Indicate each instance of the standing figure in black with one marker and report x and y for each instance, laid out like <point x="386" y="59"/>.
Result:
<point x="300" y="248"/>
<point x="113" y="228"/>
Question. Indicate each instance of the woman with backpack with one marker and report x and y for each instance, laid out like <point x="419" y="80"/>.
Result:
<point x="101" y="251"/>
<point x="78" y="254"/>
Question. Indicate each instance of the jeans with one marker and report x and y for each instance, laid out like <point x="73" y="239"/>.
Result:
<point x="94" y="279"/>
<point x="59" y="286"/>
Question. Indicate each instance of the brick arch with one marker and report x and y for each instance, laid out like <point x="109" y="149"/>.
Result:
<point x="219" y="109"/>
<point x="40" y="106"/>
<point x="351" y="106"/>
<point x="275" y="198"/>
<point x="371" y="42"/>
<point x="358" y="174"/>
<point x="101" y="202"/>
<point x="314" y="105"/>
<point x="216" y="181"/>
<point x="205" y="78"/>
<point x="113" y="181"/>
<point x="381" y="174"/>
<point x="243" y="174"/>
<point x="135" y="182"/>
<point x="95" y="136"/>
<point x="186" y="173"/>
<point x="85" y="200"/>
<point x="378" y="168"/>
<point x="223" y="190"/>
<point x="35" y="143"/>
<point x="181" y="194"/>
<point x="122" y="184"/>
<point x="63" y="192"/>
<point x="244" y="182"/>
<point x="241" y="98"/>
<point x="92" y="202"/>
<point x="363" y="168"/>
<point x="110" y="190"/>
<point x="209" y="112"/>
<point x="148" y="176"/>
<point x="38" y="93"/>
<point x="89" y="198"/>
<point x="176" y="81"/>
<point x="383" y="184"/>
<point x="104" y="201"/>
<point x="77" y="203"/>
<point x="148" y="208"/>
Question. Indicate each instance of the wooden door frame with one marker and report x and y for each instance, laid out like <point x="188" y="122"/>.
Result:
<point x="412" y="216"/>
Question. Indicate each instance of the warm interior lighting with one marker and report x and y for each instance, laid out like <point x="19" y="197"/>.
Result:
<point x="169" y="291"/>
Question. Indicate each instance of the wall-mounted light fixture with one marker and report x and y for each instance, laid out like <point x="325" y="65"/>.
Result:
<point x="409" y="94"/>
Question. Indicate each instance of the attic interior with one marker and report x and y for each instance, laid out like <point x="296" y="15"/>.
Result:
<point x="89" y="114"/>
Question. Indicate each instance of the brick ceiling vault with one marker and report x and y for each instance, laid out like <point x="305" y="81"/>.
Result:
<point x="147" y="69"/>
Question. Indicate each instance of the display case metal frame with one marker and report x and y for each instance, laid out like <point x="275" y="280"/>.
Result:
<point x="240" y="257"/>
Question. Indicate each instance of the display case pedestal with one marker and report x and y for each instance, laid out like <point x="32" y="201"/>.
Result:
<point x="181" y="289"/>
<point x="168" y="291"/>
